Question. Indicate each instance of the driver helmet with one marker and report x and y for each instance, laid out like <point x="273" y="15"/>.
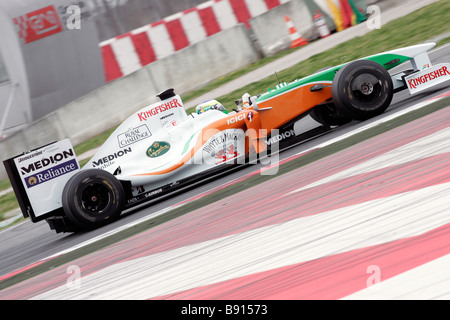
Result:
<point x="210" y="105"/>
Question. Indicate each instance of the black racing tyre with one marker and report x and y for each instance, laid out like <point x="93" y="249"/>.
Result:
<point x="362" y="89"/>
<point x="92" y="198"/>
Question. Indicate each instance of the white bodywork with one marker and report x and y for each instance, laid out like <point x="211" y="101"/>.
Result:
<point x="175" y="133"/>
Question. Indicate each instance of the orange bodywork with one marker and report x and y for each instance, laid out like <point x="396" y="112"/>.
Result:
<point x="291" y="104"/>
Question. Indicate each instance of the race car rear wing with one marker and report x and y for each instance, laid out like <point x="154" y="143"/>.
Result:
<point x="38" y="178"/>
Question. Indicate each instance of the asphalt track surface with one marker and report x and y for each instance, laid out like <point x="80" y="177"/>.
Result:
<point x="27" y="243"/>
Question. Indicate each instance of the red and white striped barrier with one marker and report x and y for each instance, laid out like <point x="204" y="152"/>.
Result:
<point x="127" y="53"/>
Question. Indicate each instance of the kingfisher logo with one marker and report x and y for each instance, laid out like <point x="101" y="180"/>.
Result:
<point x="51" y="173"/>
<point x="424" y="78"/>
<point x="145" y="115"/>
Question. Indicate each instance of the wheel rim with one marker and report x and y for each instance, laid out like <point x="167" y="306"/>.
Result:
<point x="366" y="88"/>
<point x="96" y="198"/>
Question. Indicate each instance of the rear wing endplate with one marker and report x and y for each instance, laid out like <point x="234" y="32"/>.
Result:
<point x="39" y="176"/>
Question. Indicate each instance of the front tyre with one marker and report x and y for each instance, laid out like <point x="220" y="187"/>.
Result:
<point x="92" y="198"/>
<point x="362" y="89"/>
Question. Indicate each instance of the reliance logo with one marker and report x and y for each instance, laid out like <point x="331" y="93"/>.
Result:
<point x="51" y="173"/>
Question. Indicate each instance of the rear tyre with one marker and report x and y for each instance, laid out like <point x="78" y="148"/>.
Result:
<point x="92" y="198"/>
<point x="362" y="89"/>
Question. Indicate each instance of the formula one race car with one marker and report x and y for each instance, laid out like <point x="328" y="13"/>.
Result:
<point x="161" y="148"/>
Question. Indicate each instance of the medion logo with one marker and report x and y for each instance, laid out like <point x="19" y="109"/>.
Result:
<point x="45" y="162"/>
<point x="280" y="137"/>
<point x="106" y="160"/>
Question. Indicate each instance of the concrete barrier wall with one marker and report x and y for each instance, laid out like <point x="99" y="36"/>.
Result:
<point x="204" y="61"/>
<point x="38" y="133"/>
<point x="108" y="106"/>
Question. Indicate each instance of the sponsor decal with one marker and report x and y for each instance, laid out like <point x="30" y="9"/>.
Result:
<point x="110" y="159"/>
<point x="144" y="195"/>
<point x="166" y="122"/>
<point x="51" y="173"/>
<point x="280" y="137"/>
<point x="223" y="147"/>
<point x="224" y="155"/>
<point x="140" y="189"/>
<point x="250" y="116"/>
<point x="425" y="78"/>
<point x="132" y="200"/>
<point x="153" y="192"/>
<point x="173" y="184"/>
<point x="45" y="162"/>
<point x="237" y="118"/>
<point x="143" y="116"/>
<point x="38" y="24"/>
<point x="29" y="156"/>
<point x="133" y="135"/>
<point x="222" y="139"/>
<point x="167" y="116"/>
<point x="157" y="149"/>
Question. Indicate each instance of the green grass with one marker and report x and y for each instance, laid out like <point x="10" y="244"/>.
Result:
<point x="8" y="202"/>
<point x="424" y="24"/>
<point x="443" y="41"/>
<point x="4" y="184"/>
<point x="94" y="142"/>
